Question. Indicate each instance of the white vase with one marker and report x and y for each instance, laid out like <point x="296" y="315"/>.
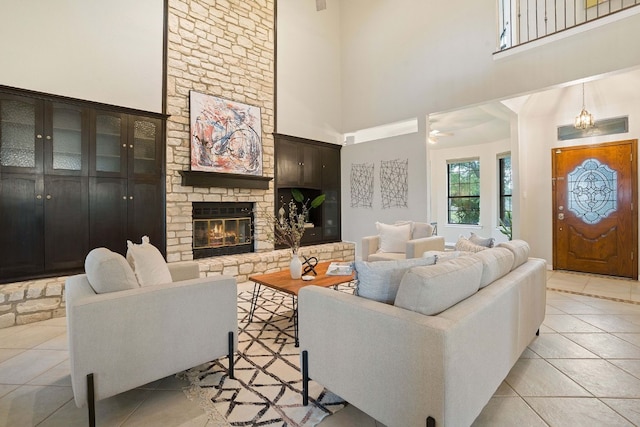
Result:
<point x="295" y="267"/>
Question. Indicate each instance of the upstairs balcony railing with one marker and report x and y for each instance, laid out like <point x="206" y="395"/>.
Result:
<point x="523" y="21"/>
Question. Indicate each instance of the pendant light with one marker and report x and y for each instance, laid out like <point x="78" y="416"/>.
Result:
<point x="584" y="120"/>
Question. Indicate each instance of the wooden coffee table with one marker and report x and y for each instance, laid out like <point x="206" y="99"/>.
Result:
<point x="281" y="281"/>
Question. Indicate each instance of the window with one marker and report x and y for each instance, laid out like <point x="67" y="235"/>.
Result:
<point x="464" y="192"/>
<point x="506" y="187"/>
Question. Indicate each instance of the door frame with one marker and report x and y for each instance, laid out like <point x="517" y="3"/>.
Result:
<point x="634" y="195"/>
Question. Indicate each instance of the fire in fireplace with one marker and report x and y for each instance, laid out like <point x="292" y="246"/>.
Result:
<point x="222" y="228"/>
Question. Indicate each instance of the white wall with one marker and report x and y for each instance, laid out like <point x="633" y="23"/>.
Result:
<point x="308" y="77"/>
<point x="102" y="51"/>
<point x="359" y="221"/>
<point x="407" y="58"/>
<point x="489" y="188"/>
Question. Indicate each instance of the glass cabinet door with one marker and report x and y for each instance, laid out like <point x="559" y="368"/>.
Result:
<point x="66" y="138"/>
<point x="145" y="146"/>
<point x="20" y="134"/>
<point x="109" y="144"/>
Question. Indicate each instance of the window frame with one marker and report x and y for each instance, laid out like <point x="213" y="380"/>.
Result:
<point x="502" y="194"/>
<point x="468" y="196"/>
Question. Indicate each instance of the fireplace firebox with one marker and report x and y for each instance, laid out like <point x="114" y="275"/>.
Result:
<point x="222" y="228"/>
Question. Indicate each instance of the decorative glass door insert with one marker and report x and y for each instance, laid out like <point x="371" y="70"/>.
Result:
<point x="592" y="191"/>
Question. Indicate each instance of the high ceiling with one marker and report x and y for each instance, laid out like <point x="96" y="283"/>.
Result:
<point x="491" y="122"/>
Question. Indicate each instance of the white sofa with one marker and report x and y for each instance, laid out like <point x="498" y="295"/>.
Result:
<point x="419" y="239"/>
<point x="122" y="340"/>
<point x="405" y="368"/>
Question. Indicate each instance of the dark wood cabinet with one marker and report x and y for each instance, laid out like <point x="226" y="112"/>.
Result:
<point x="298" y="165"/>
<point x="21" y="222"/>
<point x="313" y="167"/>
<point x="127" y="197"/>
<point x="74" y="177"/>
<point x="66" y="222"/>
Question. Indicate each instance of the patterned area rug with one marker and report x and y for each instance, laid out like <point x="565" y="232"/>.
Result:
<point x="267" y="390"/>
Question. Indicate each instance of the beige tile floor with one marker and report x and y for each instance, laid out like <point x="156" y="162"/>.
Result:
<point x="584" y="369"/>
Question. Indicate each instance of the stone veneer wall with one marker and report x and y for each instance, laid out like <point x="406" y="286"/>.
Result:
<point x="225" y="49"/>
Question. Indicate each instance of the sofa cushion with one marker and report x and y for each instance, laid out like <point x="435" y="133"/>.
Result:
<point x="496" y="262"/>
<point x="431" y="290"/>
<point x="444" y="256"/>
<point x="108" y="271"/>
<point x="520" y="250"/>
<point x="379" y="280"/>
<point x="487" y="242"/>
<point x="387" y="256"/>
<point x="393" y="238"/>
<point x="464" y="244"/>
<point x="147" y="263"/>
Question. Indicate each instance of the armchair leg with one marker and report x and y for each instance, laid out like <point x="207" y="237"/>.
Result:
<point x="91" y="401"/>
<point x="305" y="378"/>
<point x="538" y="333"/>
<point x="431" y="422"/>
<point x="231" y="361"/>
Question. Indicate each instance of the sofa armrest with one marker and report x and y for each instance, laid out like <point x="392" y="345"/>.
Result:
<point x="370" y="245"/>
<point x="417" y="247"/>
<point x="184" y="270"/>
<point x="132" y="337"/>
<point x="365" y="351"/>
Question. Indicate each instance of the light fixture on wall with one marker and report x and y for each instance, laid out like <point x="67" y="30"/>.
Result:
<point x="585" y="119"/>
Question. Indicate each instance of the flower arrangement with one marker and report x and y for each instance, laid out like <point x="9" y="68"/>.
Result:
<point x="288" y="227"/>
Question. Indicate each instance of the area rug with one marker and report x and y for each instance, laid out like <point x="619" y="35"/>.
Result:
<point x="267" y="390"/>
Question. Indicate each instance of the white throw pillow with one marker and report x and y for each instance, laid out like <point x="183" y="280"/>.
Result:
<point x="487" y="242"/>
<point x="379" y="280"/>
<point x="520" y="250"/>
<point x="432" y="290"/>
<point x="108" y="271"/>
<point x="463" y="244"/>
<point x="496" y="262"/>
<point x="393" y="238"/>
<point x="147" y="263"/>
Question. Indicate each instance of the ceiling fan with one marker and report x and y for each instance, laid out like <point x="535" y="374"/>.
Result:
<point x="435" y="134"/>
<point x="321" y="5"/>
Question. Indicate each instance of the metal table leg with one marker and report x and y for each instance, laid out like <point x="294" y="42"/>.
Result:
<point x="254" y="300"/>
<point x="295" y="319"/>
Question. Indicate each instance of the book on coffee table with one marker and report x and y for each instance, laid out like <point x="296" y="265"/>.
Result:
<point x="340" y="269"/>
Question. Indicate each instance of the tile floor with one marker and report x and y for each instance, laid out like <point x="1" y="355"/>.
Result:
<point x="584" y="369"/>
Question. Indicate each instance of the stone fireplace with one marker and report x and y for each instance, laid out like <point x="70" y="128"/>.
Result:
<point x="222" y="228"/>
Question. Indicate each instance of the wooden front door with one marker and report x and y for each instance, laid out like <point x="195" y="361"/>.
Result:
<point x="595" y="219"/>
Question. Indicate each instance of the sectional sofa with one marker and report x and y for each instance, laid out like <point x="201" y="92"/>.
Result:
<point x="436" y="354"/>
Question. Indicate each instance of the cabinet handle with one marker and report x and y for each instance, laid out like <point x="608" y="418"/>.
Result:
<point x="130" y="197"/>
<point x="49" y="137"/>
<point x="48" y="196"/>
<point x="124" y="145"/>
<point x="124" y="197"/>
<point x="39" y="136"/>
<point x="131" y="146"/>
<point x="39" y="196"/>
